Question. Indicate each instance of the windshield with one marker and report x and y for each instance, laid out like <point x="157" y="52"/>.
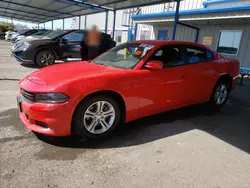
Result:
<point x="125" y="56"/>
<point x="41" y="32"/>
<point x="30" y="32"/>
<point x="46" y="33"/>
<point x="55" y="34"/>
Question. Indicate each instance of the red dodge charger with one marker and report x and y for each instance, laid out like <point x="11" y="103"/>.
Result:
<point x="130" y="81"/>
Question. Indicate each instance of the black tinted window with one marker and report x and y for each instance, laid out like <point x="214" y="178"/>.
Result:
<point x="169" y="55"/>
<point x="75" y="36"/>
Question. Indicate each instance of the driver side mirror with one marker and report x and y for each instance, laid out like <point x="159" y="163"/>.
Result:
<point x="154" y="65"/>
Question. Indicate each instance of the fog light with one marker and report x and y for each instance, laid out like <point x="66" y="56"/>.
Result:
<point x="42" y="124"/>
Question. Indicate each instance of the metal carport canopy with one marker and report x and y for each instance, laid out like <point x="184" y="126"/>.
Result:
<point x="40" y="11"/>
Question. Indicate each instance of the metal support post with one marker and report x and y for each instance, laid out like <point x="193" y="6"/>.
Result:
<point x="114" y="20"/>
<point x="79" y="22"/>
<point x="106" y="22"/>
<point x="85" y="22"/>
<point x="44" y="25"/>
<point x="137" y="12"/>
<point x="37" y="26"/>
<point x="197" y="35"/>
<point x="176" y="19"/>
<point x="135" y="34"/>
<point x="52" y="25"/>
<point x="63" y="23"/>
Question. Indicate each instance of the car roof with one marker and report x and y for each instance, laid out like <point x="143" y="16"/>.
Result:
<point x="163" y="42"/>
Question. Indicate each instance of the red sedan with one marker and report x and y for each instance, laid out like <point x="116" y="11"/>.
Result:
<point x="131" y="81"/>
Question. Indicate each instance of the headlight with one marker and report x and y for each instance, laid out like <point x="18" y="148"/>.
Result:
<point x="21" y="46"/>
<point x="51" y="97"/>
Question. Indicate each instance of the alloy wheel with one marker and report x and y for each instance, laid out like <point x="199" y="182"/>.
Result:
<point x="46" y="59"/>
<point x="221" y="93"/>
<point x="99" y="117"/>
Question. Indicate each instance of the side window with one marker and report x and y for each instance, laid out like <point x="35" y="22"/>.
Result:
<point x="75" y="36"/>
<point x="171" y="56"/>
<point x="196" y="55"/>
<point x="210" y="55"/>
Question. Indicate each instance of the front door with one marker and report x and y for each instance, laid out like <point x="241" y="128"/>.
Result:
<point x="162" y="35"/>
<point x="163" y="89"/>
<point x="70" y="46"/>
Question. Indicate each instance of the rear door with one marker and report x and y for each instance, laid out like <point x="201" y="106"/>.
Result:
<point x="200" y="73"/>
<point x="70" y="45"/>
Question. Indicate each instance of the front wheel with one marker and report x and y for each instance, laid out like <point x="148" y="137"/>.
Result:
<point x="45" y="58"/>
<point x="96" y="117"/>
<point x="220" y="94"/>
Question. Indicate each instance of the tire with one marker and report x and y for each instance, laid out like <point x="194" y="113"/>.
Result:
<point x="89" y="122"/>
<point x="220" y="94"/>
<point x="45" y="58"/>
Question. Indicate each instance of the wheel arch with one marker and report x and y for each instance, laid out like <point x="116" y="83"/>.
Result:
<point x="228" y="78"/>
<point x="118" y="97"/>
<point x="45" y="48"/>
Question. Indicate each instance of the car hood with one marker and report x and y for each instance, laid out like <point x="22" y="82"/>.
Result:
<point x="61" y="74"/>
<point x="36" y="39"/>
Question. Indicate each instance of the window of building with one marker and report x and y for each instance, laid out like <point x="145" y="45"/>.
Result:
<point x="118" y="39"/>
<point x="145" y="35"/>
<point x="229" y="42"/>
<point x="118" y="36"/>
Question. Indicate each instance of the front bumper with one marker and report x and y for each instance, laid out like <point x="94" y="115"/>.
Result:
<point x="48" y="119"/>
<point x="23" y="56"/>
<point x="19" y="59"/>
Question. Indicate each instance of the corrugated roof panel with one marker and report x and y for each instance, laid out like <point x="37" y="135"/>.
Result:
<point x="47" y="10"/>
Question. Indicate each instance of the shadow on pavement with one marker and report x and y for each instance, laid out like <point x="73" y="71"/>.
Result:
<point x="32" y="66"/>
<point x="231" y="124"/>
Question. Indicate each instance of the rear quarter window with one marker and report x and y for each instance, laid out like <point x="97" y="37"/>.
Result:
<point x="197" y="54"/>
<point x="210" y="55"/>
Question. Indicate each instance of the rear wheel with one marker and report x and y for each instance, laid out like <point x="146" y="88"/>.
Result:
<point x="96" y="117"/>
<point x="45" y="58"/>
<point x="220" y="94"/>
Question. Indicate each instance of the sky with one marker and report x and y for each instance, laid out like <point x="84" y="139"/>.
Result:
<point x="48" y="25"/>
<point x="97" y="19"/>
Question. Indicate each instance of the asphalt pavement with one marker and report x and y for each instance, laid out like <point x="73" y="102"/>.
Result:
<point x="185" y="148"/>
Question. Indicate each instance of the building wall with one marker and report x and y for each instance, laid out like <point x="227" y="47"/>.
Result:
<point x="230" y="3"/>
<point x="187" y="34"/>
<point x="185" y="5"/>
<point x="182" y="33"/>
<point x="166" y="7"/>
<point x="99" y="19"/>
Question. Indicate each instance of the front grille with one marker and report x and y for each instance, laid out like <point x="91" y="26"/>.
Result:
<point x="28" y="96"/>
